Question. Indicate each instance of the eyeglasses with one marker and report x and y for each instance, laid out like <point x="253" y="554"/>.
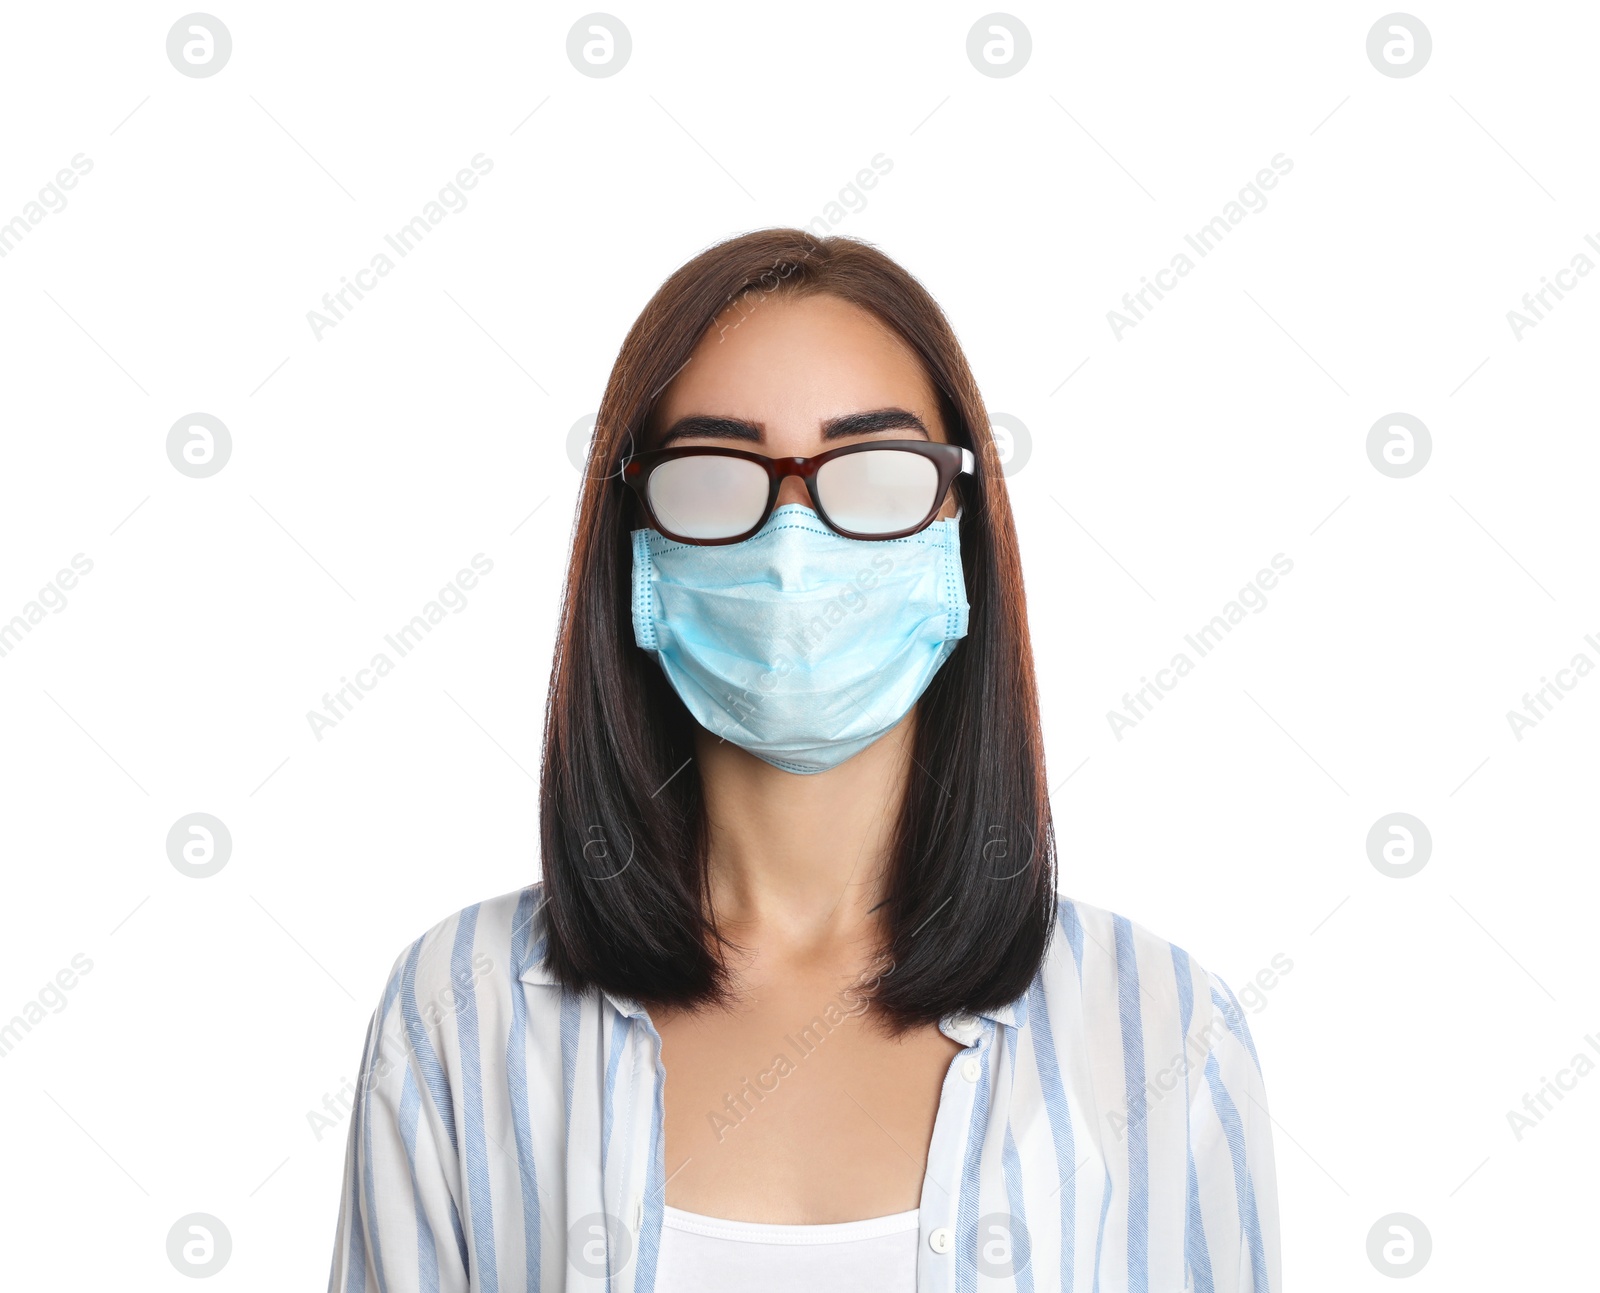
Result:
<point x="883" y="489"/>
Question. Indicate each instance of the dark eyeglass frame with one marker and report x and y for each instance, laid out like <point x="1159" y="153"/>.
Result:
<point x="951" y="460"/>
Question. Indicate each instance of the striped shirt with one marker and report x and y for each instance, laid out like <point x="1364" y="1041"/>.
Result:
<point x="507" y="1133"/>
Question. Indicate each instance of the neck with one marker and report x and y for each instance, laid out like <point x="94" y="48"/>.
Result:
<point x="799" y="862"/>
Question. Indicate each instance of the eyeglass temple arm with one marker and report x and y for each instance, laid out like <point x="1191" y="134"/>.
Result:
<point x="969" y="464"/>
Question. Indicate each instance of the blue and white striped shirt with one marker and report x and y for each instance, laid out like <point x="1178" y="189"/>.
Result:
<point x="507" y="1134"/>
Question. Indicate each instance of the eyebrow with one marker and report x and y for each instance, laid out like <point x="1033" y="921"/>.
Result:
<point x="848" y="424"/>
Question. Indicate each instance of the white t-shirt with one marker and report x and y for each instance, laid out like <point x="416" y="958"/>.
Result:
<point x="710" y="1255"/>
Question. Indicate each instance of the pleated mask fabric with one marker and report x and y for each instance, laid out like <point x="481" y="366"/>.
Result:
<point x="798" y="644"/>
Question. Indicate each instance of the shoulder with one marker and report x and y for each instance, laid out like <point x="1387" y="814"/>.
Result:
<point x="472" y="955"/>
<point x="1119" y="987"/>
<point x="1143" y="1054"/>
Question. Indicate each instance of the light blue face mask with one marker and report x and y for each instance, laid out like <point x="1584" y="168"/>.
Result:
<point x="798" y="644"/>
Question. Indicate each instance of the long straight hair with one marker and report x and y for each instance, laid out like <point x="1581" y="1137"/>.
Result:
<point x="971" y="887"/>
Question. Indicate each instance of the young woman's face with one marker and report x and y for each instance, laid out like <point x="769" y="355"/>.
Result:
<point x="791" y="376"/>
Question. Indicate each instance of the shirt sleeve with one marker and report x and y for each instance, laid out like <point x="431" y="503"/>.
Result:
<point x="1232" y="1230"/>
<point x="399" y="1225"/>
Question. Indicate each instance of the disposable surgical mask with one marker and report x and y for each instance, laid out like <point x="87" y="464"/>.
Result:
<point x="798" y="644"/>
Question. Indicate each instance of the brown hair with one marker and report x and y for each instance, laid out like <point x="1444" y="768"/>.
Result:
<point x="971" y="891"/>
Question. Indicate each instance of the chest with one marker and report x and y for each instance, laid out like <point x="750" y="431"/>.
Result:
<point x="798" y="1110"/>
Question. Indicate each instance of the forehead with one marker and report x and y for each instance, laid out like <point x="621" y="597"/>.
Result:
<point x="783" y="357"/>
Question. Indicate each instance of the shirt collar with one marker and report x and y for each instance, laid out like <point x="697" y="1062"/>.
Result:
<point x="1014" y="1014"/>
<point x="1006" y="1014"/>
<point x="538" y="971"/>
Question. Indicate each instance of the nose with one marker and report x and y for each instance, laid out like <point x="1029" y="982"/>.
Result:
<point x="793" y="490"/>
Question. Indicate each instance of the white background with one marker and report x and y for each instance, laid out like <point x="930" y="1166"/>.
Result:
<point x="431" y="424"/>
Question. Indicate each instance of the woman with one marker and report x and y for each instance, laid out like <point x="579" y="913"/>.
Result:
<point x="797" y="855"/>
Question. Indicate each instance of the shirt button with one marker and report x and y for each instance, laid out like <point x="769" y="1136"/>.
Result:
<point x="964" y="1023"/>
<point x="940" y="1240"/>
<point x="970" y="1069"/>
